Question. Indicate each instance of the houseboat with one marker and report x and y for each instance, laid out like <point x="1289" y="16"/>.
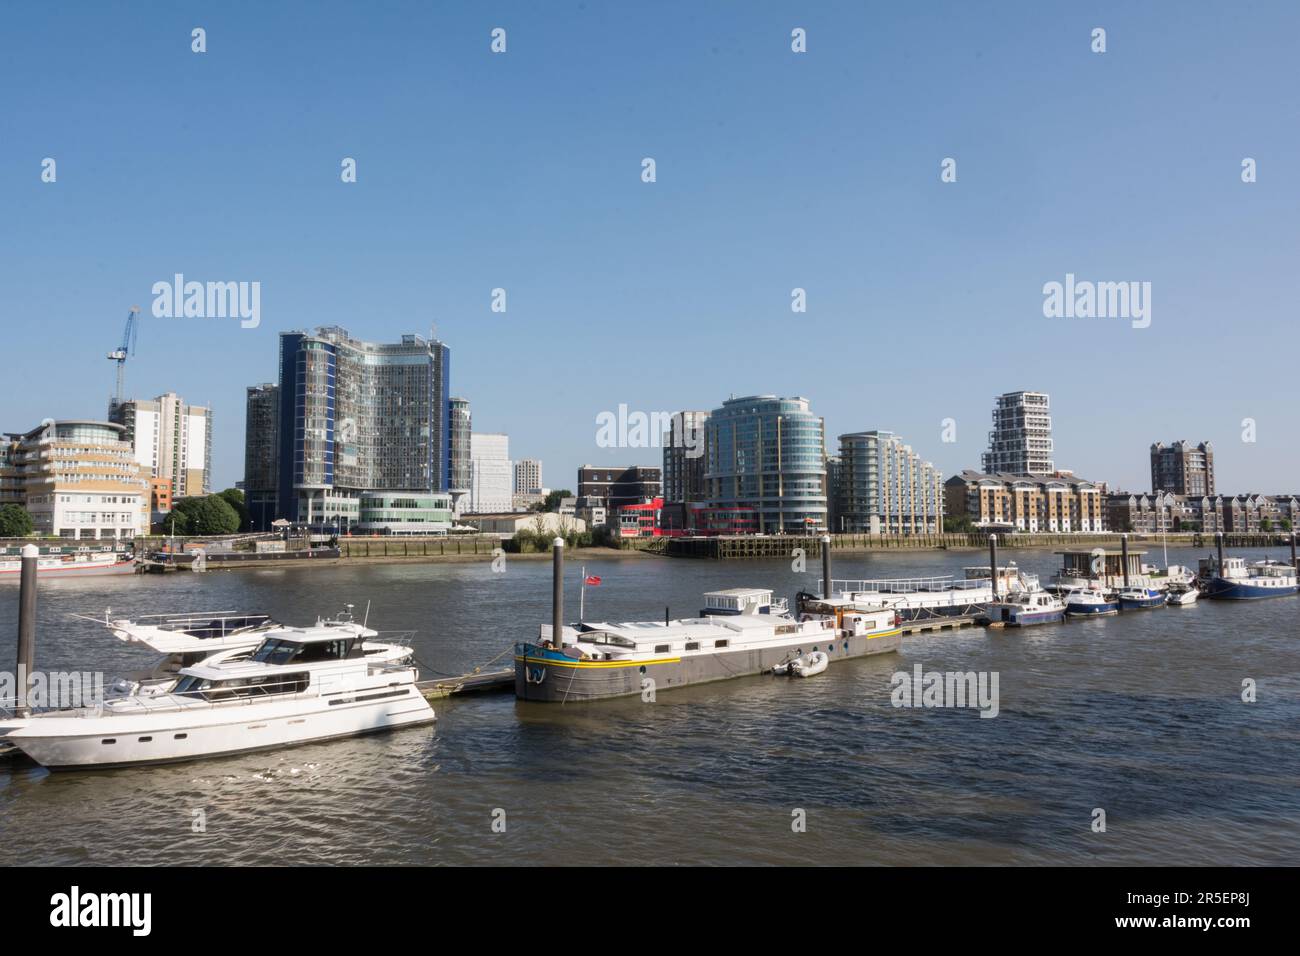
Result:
<point x="740" y="631"/>
<point x="1239" y="581"/>
<point x="69" y="561"/>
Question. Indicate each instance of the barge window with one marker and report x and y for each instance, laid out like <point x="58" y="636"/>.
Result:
<point x="662" y="648"/>
<point x="721" y="643"/>
<point x="692" y="645"/>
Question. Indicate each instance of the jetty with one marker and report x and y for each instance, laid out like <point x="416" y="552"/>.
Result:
<point x="475" y="682"/>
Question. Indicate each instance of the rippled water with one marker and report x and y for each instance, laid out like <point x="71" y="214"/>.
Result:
<point x="1139" y="715"/>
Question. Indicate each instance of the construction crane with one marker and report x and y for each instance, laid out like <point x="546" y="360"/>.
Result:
<point x="119" y="355"/>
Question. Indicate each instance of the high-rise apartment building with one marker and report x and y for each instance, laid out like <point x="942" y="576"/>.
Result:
<point x="1183" y="468"/>
<point x="261" y="454"/>
<point x="1021" y="440"/>
<point x="170" y="439"/>
<point x="885" y="488"/>
<point x="491" y="474"/>
<point x="357" y="417"/>
<point x="461" y="428"/>
<point x="528" y="475"/>
<point x="684" y="465"/>
<point x="768" y="454"/>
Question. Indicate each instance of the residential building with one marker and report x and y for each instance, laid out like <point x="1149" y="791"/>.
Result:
<point x="885" y="488"/>
<point x="1021" y="440"/>
<point x="459" y="478"/>
<point x="1183" y="468"/>
<point x="1152" y="514"/>
<point x="683" y="466"/>
<point x="528" y="475"/>
<point x="620" y="485"/>
<point x="78" y="479"/>
<point x="262" y="454"/>
<point x="768" y="454"/>
<point x="359" y="417"/>
<point x="171" y="439"/>
<point x="491" y="474"/>
<point x="1059" y="503"/>
<point x="590" y="509"/>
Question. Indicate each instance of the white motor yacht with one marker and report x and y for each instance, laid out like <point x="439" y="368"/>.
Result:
<point x="299" y="685"/>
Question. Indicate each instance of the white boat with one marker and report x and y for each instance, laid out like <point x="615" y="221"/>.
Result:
<point x="1182" y="596"/>
<point x="1090" y="602"/>
<point x="1025" y="608"/>
<point x="810" y="666"/>
<point x="300" y="685"/>
<point x="922" y="598"/>
<point x="69" y="561"/>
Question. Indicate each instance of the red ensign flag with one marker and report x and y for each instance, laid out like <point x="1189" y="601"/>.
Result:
<point x="592" y="579"/>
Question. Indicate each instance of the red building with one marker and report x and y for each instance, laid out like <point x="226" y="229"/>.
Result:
<point x="641" y="520"/>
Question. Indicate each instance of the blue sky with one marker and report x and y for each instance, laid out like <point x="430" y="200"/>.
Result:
<point x="775" y="170"/>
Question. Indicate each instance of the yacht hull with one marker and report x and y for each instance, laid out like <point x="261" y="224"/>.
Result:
<point x="542" y="674"/>
<point x="91" y="742"/>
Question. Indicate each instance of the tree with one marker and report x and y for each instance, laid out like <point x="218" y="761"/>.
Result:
<point x="210" y="514"/>
<point x="15" y="522"/>
<point x="176" y="523"/>
<point x="235" y="498"/>
<point x="552" y="500"/>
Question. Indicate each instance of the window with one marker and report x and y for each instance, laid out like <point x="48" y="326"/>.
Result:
<point x="662" y="648"/>
<point x="722" y="643"/>
<point x="692" y="645"/>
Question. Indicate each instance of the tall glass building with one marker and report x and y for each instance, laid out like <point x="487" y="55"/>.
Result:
<point x="458" y="479"/>
<point x="768" y="454"/>
<point x="359" y="417"/>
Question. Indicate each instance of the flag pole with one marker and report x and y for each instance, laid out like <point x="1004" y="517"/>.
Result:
<point x="582" y="594"/>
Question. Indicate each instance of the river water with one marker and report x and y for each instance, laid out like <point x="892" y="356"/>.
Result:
<point x="1139" y="715"/>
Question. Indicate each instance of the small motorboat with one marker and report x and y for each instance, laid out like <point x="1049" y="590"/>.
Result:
<point x="809" y="666"/>
<point x="1090" y="602"/>
<point x="1025" y="608"/>
<point x="1182" y="596"/>
<point x="1140" y="599"/>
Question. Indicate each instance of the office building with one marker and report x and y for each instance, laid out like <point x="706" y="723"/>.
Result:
<point x="491" y="474"/>
<point x="1021" y="440"/>
<point x="1183" y="468"/>
<point x="768" y="454"/>
<point x="619" y="485"/>
<point x="170" y="439"/>
<point x="359" y="417"/>
<point x="883" y="487"/>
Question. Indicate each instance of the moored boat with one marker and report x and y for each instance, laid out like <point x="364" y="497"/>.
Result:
<point x="1140" y="598"/>
<point x="1183" y="595"/>
<point x="1027" y="608"/>
<point x="1239" y="581"/>
<point x="70" y="561"/>
<point x="740" y="633"/>
<point x="810" y="666"/>
<point x="300" y="685"/>
<point x="1090" y="602"/>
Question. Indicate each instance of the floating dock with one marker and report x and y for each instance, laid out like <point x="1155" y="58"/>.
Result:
<point x="476" y="683"/>
<point x="939" y="624"/>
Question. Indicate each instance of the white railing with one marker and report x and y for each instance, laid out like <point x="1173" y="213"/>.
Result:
<point x="907" y="585"/>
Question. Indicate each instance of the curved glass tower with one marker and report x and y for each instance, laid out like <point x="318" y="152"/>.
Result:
<point x="768" y="454"/>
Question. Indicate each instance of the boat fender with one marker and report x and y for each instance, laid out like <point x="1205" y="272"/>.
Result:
<point x="534" y="675"/>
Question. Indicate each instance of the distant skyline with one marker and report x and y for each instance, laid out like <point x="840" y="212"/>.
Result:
<point x="775" y="171"/>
